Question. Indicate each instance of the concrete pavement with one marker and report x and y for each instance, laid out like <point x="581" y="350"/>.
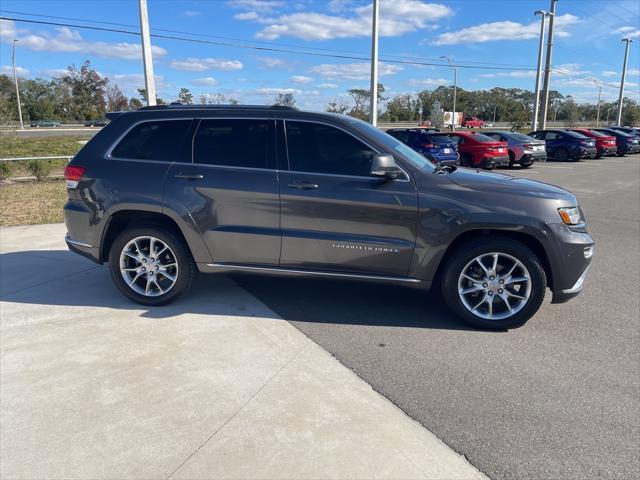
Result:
<point x="214" y="386"/>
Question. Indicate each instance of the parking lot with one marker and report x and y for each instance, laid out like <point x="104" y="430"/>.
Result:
<point x="555" y="398"/>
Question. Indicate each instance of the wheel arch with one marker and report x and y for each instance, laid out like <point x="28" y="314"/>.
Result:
<point x="525" y="238"/>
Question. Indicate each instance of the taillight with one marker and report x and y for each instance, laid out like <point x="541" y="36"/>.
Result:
<point x="72" y="175"/>
<point x="427" y="145"/>
<point x="528" y="146"/>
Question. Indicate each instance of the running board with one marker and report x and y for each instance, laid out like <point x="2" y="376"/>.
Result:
<point x="229" y="266"/>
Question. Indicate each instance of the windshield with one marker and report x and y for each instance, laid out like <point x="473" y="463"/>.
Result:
<point x="483" y="138"/>
<point x="440" y="139"/>
<point x="521" y="137"/>
<point x="595" y="133"/>
<point x="390" y="142"/>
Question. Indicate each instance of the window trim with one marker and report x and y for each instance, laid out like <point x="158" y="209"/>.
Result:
<point x="375" y="149"/>
<point x="199" y="119"/>
<point x="109" y="153"/>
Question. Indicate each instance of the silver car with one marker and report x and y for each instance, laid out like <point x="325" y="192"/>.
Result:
<point x="523" y="149"/>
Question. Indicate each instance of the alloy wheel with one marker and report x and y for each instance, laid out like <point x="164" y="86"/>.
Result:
<point x="494" y="286"/>
<point x="148" y="266"/>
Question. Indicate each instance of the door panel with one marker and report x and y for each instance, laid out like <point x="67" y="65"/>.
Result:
<point x="229" y="192"/>
<point x="339" y="222"/>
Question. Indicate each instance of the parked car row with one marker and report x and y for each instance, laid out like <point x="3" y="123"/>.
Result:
<point x="498" y="148"/>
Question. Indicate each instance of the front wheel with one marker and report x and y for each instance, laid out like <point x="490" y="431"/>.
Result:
<point x="150" y="265"/>
<point x="494" y="283"/>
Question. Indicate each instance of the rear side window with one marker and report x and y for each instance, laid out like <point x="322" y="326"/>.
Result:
<point x="319" y="148"/>
<point x="438" y="139"/>
<point x="483" y="138"/>
<point x="159" y="140"/>
<point x="234" y="142"/>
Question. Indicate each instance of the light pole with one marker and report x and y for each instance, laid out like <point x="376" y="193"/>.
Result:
<point x="624" y="75"/>
<point x="420" y="110"/>
<point x="147" y="59"/>
<point x="455" y="82"/>
<point x="547" y="66"/>
<point x="608" y="110"/>
<point x="15" y="79"/>
<point x="599" y="85"/>
<point x="536" y="105"/>
<point x="373" y="108"/>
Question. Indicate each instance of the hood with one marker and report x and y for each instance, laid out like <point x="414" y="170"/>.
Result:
<point x="499" y="183"/>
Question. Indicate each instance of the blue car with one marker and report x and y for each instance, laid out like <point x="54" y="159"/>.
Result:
<point x="630" y="130"/>
<point x="563" y="145"/>
<point x="625" y="142"/>
<point x="438" y="147"/>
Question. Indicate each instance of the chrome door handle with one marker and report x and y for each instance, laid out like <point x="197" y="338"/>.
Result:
<point x="187" y="176"/>
<point x="303" y="185"/>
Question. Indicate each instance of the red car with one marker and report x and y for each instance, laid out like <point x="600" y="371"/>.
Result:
<point x="605" y="144"/>
<point x="472" y="122"/>
<point x="478" y="150"/>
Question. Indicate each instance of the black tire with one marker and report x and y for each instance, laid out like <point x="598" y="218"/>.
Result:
<point x="599" y="154"/>
<point x="186" y="268"/>
<point x="512" y="158"/>
<point x="465" y="160"/>
<point x="466" y="253"/>
<point x="561" y="155"/>
<point x="526" y="165"/>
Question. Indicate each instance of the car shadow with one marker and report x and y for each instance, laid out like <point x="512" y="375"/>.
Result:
<point x="81" y="283"/>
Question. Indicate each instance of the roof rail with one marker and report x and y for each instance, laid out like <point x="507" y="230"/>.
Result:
<point x="177" y="105"/>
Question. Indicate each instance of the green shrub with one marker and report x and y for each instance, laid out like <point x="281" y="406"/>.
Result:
<point x="5" y="170"/>
<point x="39" y="168"/>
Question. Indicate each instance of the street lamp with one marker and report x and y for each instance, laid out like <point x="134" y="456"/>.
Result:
<point x="599" y="85"/>
<point x="455" y="81"/>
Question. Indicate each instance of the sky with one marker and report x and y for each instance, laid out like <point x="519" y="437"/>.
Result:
<point x="252" y="50"/>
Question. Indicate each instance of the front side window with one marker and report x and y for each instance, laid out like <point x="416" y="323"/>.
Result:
<point x="234" y="142"/>
<point x="551" y="136"/>
<point x="318" y="148"/>
<point x="159" y="140"/>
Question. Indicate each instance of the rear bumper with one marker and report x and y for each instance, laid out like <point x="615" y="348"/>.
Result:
<point x="582" y="152"/>
<point x="502" y="161"/>
<point x="81" y="248"/>
<point x="529" y="158"/>
<point x="82" y="237"/>
<point x="607" y="150"/>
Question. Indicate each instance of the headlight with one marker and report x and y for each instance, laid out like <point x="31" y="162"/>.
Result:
<point x="570" y="215"/>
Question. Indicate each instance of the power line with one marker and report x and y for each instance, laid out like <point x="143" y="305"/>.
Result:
<point x="283" y="50"/>
<point x="302" y="47"/>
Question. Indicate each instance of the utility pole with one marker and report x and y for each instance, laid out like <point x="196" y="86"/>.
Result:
<point x="599" y="85"/>
<point x="373" y="107"/>
<point x="624" y="75"/>
<point x="547" y="68"/>
<point x="15" y="79"/>
<point x="536" y="104"/>
<point x="455" y="85"/>
<point x="147" y="59"/>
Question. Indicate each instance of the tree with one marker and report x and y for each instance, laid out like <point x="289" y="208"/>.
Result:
<point x="336" y="106"/>
<point x="87" y="91"/>
<point x="134" y="104"/>
<point x="362" y="98"/>
<point x="143" y="96"/>
<point x="285" y="100"/>
<point x="116" y="100"/>
<point x="185" y="96"/>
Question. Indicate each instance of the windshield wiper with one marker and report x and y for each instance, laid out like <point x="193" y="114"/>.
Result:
<point x="444" y="167"/>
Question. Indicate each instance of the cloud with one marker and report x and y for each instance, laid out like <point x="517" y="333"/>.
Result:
<point x="500" y="31"/>
<point x="609" y="73"/>
<point x="246" y="16"/>
<point x="191" y="13"/>
<point x="275" y="91"/>
<point x="54" y="72"/>
<point x="428" y="82"/>
<point x="192" y="64"/>
<point x="67" y="40"/>
<point x="131" y="82"/>
<point x="353" y="71"/>
<point x="206" y="81"/>
<point x="271" y="62"/>
<point x="629" y="32"/>
<point x="396" y="18"/>
<point x="8" y="70"/>
<point x="301" y="79"/>
<point x="264" y="6"/>
<point x="633" y="71"/>
<point x="327" y="85"/>
<point x="514" y="74"/>
<point x="570" y="69"/>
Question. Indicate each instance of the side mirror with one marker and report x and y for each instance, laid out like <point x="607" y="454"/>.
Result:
<point x="384" y="165"/>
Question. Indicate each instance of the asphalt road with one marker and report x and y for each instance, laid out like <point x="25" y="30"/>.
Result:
<point x="557" y="398"/>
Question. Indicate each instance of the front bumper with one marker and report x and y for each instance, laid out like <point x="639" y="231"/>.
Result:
<point x="569" y="262"/>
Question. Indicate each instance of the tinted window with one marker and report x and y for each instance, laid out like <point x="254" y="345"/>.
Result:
<point x="402" y="136"/>
<point x="437" y="139"/>
<point x="551" y="136"/>
<point x="160" y="140"/>
<point x="318" y="148"/>
<point x="495" y="136"/>
<point x="596" y="134"/>
<point x="520" y="137"/>
<point x="458" y="140"/>
<point x="234" y="143"/>
<point x="482" y="138"/>
<point x="574" y="135"/>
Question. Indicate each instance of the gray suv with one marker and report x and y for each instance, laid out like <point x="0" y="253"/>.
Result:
<point x="164" y="192"/>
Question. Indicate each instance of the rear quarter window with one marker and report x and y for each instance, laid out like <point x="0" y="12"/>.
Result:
<point x="159" y="140"/>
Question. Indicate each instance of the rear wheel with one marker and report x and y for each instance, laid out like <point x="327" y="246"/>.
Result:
<point x="494" y="283"/>
<point x="150" y="265"/>
<point x="512" y="158"/>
